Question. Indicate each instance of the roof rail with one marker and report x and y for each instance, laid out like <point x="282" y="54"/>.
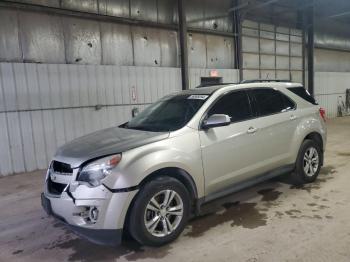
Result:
<point x="215" y="84"/>
<point x="264" y="80"/>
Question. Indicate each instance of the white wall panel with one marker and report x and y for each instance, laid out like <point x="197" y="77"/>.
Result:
<point x="267" y="46"/>
<point x="54" y="86"/>
<point x="250" y="44"/>
<point x="39" y="140"/>
<point x="8" y="86"/>
<point x="115" y="83"/>
<point x="282" y="74"/>
<point x="331" y="60"/>
<point x="250" y="61"/>
<point x="296" y="49"/>
<point x="16" y="142"/>
<point x="296" y="63"/>
<point x="44" y="90"/>
<point x="83" y="86"/>
<point x="74" y="84"/>
<point x="297" y="76"/>
<point x="5" y="155"/>
<point x="91" y="85"/>
<point x="282" y="48"/>
<point x="267" y="74"/>
<point x="49" y="133"/>
<point x="28" y="143"/>
<point x="282" y="62"/>
<point x="65" y="88"/>
<point x="267" y="62"/>
<point x="330" y="88"/>
<point x="21" y="86"/>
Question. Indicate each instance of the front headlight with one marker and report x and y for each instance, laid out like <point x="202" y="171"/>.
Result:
<point x="97" y="170"/>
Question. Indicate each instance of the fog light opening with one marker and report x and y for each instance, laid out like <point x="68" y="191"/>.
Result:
<point x="93" y="214"/>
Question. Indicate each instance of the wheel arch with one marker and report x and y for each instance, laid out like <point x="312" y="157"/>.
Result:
<point x="174" y="172"/>
<point x="177" y="173"/>
<point x="315" y="136"/>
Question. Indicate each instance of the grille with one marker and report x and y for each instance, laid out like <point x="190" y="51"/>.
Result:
<point x="62" y="168"/>
<point x="55" y="188"/>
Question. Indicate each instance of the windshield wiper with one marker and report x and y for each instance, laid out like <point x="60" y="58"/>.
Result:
<point x="142" y="128"/>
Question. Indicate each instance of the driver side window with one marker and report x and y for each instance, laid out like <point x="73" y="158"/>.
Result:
<point x="235" y="105"/>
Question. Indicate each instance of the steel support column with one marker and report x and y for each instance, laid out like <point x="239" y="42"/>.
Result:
<point x="310" y="48"/>
<point x="302" y="24"/>
<point x="183" y="44"/>
<point x="237" y="39"/>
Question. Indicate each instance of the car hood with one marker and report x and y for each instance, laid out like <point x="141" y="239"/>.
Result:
<point x="105" y="142"/>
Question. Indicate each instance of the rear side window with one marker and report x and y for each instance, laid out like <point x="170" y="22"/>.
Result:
<point x="270" y="101"/>
<point x="288" y="103"/>
<point x="303" y="93"/>
<point x="236" y="105"/>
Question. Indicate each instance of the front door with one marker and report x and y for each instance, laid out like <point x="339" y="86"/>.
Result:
<point x="229" y="152"/>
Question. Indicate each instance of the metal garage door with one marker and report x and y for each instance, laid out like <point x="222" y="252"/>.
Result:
<point x="271" y="52"/>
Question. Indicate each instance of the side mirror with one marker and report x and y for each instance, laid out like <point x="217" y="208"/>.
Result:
<point x="216" y="120"/>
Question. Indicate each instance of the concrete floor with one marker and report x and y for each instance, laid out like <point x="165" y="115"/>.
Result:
<point x="274" y="221"/>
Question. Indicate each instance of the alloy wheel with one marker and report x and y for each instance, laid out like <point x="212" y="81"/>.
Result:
<point x="311" y="161"/>
<point x="163" y="213"/>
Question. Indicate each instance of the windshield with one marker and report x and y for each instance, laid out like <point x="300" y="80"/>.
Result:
<point x="168" y="114"/>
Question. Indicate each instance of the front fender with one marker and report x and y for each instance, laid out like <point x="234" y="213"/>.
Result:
<point x="181" y="152"/>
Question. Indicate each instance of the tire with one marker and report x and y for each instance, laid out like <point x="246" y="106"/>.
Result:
<point x="304" y="172"/>
<point x="143" y="212"/>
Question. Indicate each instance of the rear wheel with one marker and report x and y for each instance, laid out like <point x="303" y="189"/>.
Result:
<point x="160" y="212"/>
<point x="308" y="162"/>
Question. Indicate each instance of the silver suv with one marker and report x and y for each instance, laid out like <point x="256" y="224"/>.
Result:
<point x="148" y="176"/>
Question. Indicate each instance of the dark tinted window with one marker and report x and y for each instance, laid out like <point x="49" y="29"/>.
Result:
<point x="288" y="103"/>
<point x="269" y="101"/>
<point x="168" y="114"/>
<point x="303" y="93"/>
<point x="235" y="105"/>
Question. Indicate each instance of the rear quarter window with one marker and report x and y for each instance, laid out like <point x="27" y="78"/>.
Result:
<point x="270" y="101"/>
<point x="303" y="93"/>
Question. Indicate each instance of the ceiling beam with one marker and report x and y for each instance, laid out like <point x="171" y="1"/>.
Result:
<point x="337" y="15"/>
<point x="261" y="5"/>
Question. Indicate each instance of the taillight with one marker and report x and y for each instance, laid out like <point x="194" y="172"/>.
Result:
<point x="323" y="113"/>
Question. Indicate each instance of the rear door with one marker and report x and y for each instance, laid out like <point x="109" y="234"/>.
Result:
<point x="229" y="152"/>
<point x="276" y="123"/>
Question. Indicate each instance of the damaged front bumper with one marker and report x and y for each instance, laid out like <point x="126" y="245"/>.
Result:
<point x="111" y="237"/>
<point x="94" y="213"/>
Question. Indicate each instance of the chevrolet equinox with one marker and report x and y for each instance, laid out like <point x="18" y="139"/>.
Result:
<point x="149" y="175"/>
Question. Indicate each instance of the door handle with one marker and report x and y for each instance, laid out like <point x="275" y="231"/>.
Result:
<point x="252" y="130"/>
<point x="293" y="117"/>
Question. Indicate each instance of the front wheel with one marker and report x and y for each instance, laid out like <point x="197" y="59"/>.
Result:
<point x="160" y="212"/>
<point x="308" y="162"/>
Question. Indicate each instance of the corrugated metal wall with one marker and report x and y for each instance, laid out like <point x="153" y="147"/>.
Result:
<point x="330" y="88"/>
<point x="37" y="37"/>
<point x="161" y="11"/>
<point x="42" y="106"/>
<point x="332" y="60"/>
